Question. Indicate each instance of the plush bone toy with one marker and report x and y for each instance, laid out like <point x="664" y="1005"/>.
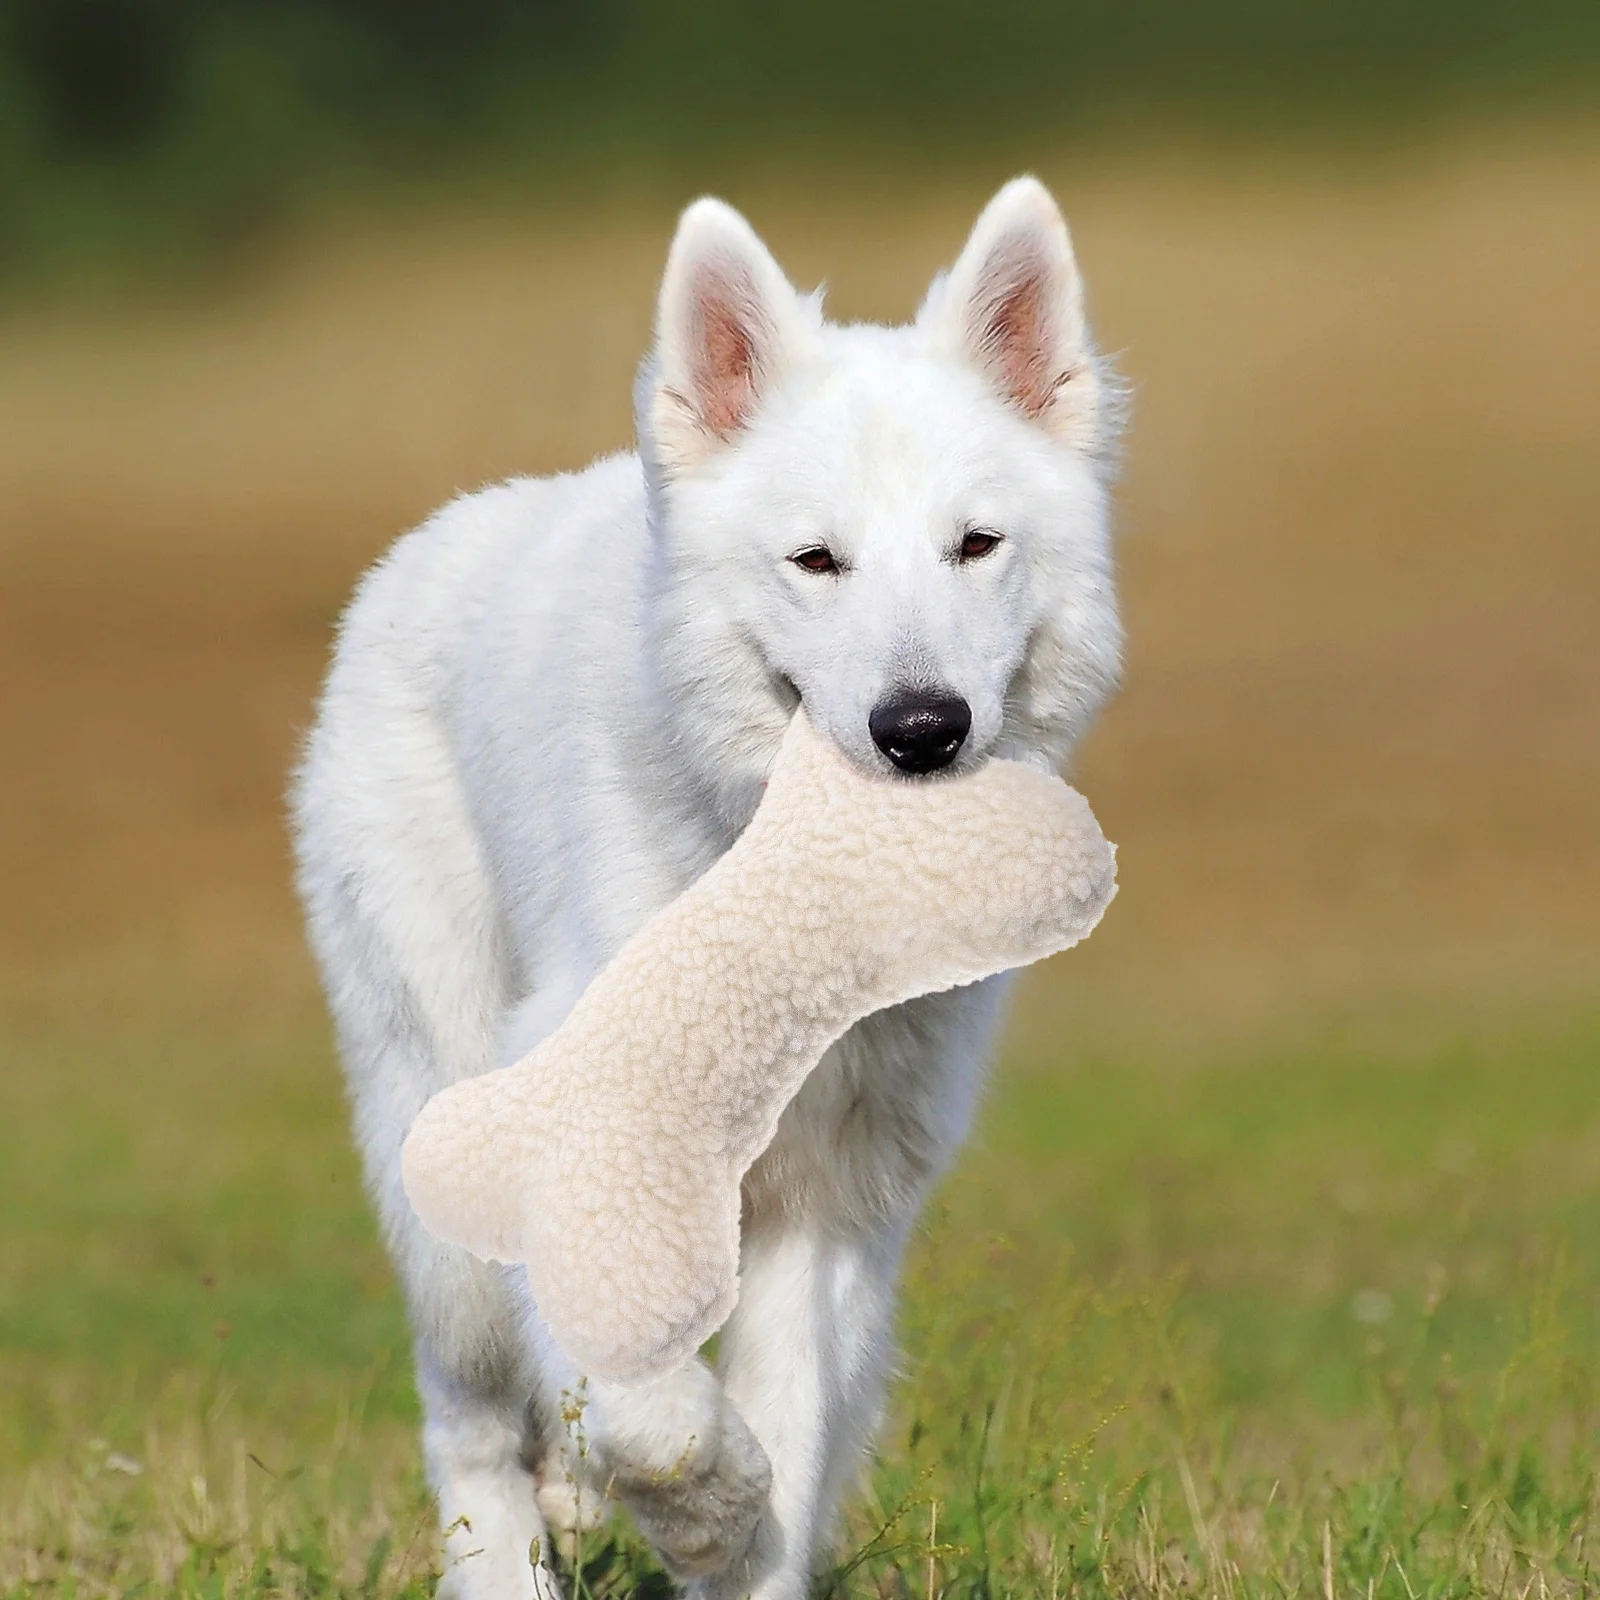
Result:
<point x="609" y="1159"/>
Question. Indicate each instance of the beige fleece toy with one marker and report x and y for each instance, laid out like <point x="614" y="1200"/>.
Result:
<point x="609" y="1159"/>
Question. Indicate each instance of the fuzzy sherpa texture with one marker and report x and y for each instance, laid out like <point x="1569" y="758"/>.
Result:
<point x="641" y="1114"/>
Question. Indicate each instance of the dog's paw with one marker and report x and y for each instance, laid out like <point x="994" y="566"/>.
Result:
<point x="528" y="1577"/>
<point x="571" y="1511"/>
<point x="700" y="1512"/>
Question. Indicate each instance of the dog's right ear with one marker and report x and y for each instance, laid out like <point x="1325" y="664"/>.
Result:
<point x="728" y="327"/>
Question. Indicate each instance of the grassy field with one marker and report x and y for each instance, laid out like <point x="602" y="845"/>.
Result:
<point x="1170" y="1324"/>
<point x="1276" y="1265"/>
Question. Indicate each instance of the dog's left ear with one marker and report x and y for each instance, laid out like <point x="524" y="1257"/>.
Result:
<point x="1012" y="305"/>
<point x="729" y="326"/>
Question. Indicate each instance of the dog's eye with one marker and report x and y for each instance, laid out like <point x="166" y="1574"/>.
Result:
<point x="977" y="543"/>
<point x="817" y="558"/>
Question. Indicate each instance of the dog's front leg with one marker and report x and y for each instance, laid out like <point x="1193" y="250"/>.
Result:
<point x="494" y="1536"/>
<point x="803" y="1358"/>
<point x="680" y="1457"/>
<point x="674" y="1451"/>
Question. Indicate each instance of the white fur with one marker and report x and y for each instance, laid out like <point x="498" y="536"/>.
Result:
<point x="552" y="707"/>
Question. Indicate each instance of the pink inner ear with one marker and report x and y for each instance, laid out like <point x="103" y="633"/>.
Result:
<point x="1017" y="341"/>
<point x="725" y="353"/>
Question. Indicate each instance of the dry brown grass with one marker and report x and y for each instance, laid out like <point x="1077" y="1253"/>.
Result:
<point x="1360" y="740"/>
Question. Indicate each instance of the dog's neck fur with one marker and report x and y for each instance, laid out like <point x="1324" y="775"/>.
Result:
<point x="714" y="735"/>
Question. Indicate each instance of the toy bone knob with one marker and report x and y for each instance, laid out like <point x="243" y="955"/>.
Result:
<point x="609" y="1159"/>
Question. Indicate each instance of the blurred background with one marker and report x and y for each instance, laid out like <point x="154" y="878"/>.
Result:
<point x="278" y="278"/>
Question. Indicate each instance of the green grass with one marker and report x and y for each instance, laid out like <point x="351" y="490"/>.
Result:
<point x="1318" y="1320"/>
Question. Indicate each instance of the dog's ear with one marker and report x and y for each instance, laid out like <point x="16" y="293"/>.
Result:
<point x="728" y="327"/>
<point x="1013" y="306"/>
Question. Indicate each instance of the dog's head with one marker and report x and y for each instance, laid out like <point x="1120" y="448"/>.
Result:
<point x="906" y="527"/>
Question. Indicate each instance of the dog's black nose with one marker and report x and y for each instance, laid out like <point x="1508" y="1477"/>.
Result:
<point x="921" y="732"/>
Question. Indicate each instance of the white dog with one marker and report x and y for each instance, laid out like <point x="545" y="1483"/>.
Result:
<point x="553" y="705"/>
